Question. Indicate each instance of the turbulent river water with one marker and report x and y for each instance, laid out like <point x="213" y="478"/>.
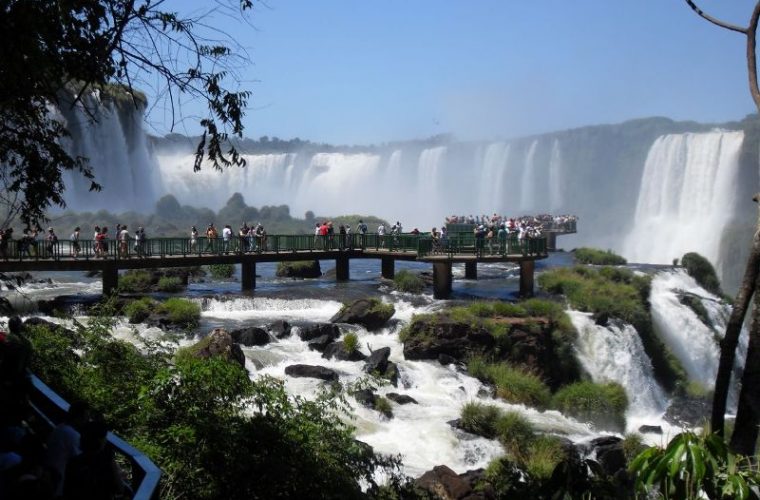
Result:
<point x="421" y="432"/>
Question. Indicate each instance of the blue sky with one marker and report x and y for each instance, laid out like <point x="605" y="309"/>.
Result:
<point x="360" y="72"/>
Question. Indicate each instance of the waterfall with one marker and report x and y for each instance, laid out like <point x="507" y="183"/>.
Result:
<point x="687" y="189"/>
<point x="694" y="343"/>
<point x="614" y="353"/>
<point x="555" y="177"/>
<point x="491" y="193"/>
<point x="528" y="184"/>
<point x="430" y="182"/>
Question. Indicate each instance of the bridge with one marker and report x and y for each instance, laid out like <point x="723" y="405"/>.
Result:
<point x="182" y="252"/>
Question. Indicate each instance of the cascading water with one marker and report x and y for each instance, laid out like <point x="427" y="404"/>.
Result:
<point x="686" y="195"/>
<point x="615" y="353"/>
<point x="491" y="190"/>
<point x="528" y="183"/>
<point x="694" y="343"/>
<point x="555" y="178"/>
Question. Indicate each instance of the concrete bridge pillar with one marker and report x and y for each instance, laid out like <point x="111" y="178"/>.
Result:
<point x="442" y="280"/>
<point x="248" y="274"/>
<point x="551" y="242"/>
<point x="110" y="279"/>
<point x="341" y="267"/>
<point x="526" y="277"/>
<point x="387" y="267"/>
<point x="470" y="270"/>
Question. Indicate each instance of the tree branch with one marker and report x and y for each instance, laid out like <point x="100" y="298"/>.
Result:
<point x="714" y="20"/>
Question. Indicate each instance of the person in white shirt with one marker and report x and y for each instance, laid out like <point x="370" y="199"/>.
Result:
<point x="124" y="242"/>
<point x="226" y="236"/>
<point x="381" y="234"/>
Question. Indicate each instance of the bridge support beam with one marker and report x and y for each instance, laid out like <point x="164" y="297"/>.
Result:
<point x="442" y="280"/>
<point x="470" y="270"/>
<point x="341" y="268"/>
<point x="248" y="274"/>
<point x="551" y="242"/>
<point x="526" y="277"/>
<point x="110" y="279"/>
<point x="387" y="267"/>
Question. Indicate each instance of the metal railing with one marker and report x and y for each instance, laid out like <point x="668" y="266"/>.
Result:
<point x="421" y="244"/>
<point x="144" y="474"/>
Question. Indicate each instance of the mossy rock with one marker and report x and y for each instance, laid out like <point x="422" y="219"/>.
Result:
<point x="702" y="271"/>
<point x="603" y="405"/>
<point x="299" y="269"/>
<point x="217" y="343"/>
<point x="369" y="313"/>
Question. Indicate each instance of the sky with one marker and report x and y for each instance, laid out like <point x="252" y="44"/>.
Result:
<point x="368" y="72"/>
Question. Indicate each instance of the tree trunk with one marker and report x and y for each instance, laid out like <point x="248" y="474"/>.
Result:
<point x="748" y="415"/>
<point x="733" y="330"/>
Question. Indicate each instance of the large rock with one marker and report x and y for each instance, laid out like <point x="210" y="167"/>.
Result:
<point x="280" y="329"/>
<point x="218" y="343"/>
<point x="313" y="331"/>
<point x="299" y="269"/>
<point x="445" y="484"/>
<point x="337" y="350"/>
<point x="321" y="343"/>
<point x="251" y="336"/>
<point x="609" y="453"/>
<point x="370" y="313"/>
<point x="428" y="340"/>
<point x="688" y="411"/>
<point x="377" y="362"/>
<point x="401" y="399"/>
<point x="312" y="371"/>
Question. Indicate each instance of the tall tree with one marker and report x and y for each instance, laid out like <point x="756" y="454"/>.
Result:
<point x="56" y="53"/>
<point x="748" y="415"/>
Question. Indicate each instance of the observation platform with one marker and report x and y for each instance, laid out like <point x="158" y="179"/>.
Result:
<point x="181" y="252"/>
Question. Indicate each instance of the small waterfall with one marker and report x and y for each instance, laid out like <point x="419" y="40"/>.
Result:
<point x="528" y="184"/>
<point x="555" y="177"/>
<point x="491" y="193"/>
<point x="691" y="341"/>
<point x="686" y="195"/>
<point x="429" y="185"/>
<point x="615" y="353"/>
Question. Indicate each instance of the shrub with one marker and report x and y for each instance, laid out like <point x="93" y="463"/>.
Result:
<point x="509" y="310"/>
<point x="135" y="282"/>
<point x="633" y="444"/>
<point x="350" y="342"/>
<point x="479" y="419"/>
<point x="221" y="271"/>
<point x="407" y="281"/>
<point x="516" y="433"/>
<point x="169" y="284"/>
<point x="603" y="405"/>
<point x="702" y="271"/>
<point x="544" y="453"/>
<point x="517" y="386"/>
<point x="383" y="406"/>
<point x="598" y="257"/>
<point x="181" y="312"/>
<point x="138" y="310"/>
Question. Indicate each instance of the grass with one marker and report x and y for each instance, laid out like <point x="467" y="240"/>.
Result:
<point x="702" y="271"/>
<point x="350" y="342"/>
<point x="298" y="267"/>
<point x="512" y="384"/>
<point x="603" y="405"/>
<point x="138" y="310"/>
<point x="480" y="419"/>
<point x="633" y="444"/>
<point x="221" y="271"/>
<point x="169" y="284"/>
<point x="383" y="406"/>
<point x="380" y="308"/>
<point x="135" y="282"/>
<point x="544" y="453"/>
<point x="598" y="257"/>
<point x="181" y="311"/>
<point x="516" y="433"/>
<point x="406" y="281"/>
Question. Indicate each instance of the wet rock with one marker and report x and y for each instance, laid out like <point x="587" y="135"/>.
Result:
<point x="601" y="319"/>
<point x="370" y="313"/>
<point x="401" y="399"/>
<point x="391" y="373"/>
<point x="251" y="336"/>
<point x="609" y="453"/>
<point x="445" y="359"/>
<point x="428" y="340"/>
<point x="446" y="484"/>
<point x="688" y="411"/>
<point x="312" y="371"/>
<point x="650" y="429"/>
<point x="311" y="332"/>
<point x="378" y="361"/>
<point x="280" y="329"/>
<point x="299" y="269"/>
<point x="218" y="343"/>
<point x="321" y="343"/>
<point x="365" y="397"/>
<point x="337" y="350"/>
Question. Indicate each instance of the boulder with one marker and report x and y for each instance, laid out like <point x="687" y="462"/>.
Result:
<point x="321" y="343"/>
<point x="391" y="373"/>
<point x="458" y="339"/>
<point x="313" y="331"/>
<point x="378" y="361"/>
<point x="250" y="336"/>
<point x="445" y="359"/>
<point x="401" y="399"/>
<point x="280" y="329"/>
<point x="218" y="343"/>
<point x="609" y="453"/>
<point x="650" y="429"/>
<point x="446" y="484"/>
<point x="299" y="269"/>
<point x="337" y="350"/>
<point x="312" y="371"/>
<point x="688" y="411"/>
<point x="365" y="397"/>
<point x="369" y="313"/>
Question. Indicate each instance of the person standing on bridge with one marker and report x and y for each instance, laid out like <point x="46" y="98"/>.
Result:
<point x="193" y="238"/>
<point x="123" y="237"/>
<point x="50" y="242"/>
<point x="381" y="234"/>
<point x="75" y="248"/>
<point x="226" y="237"/>
<point x="211" y="235"/>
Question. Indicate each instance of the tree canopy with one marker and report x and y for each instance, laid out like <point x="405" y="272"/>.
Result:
<point x="56" y="54"/>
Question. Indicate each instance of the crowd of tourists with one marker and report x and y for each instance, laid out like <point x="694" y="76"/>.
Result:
<point x="543" y="221"/>
<point x="70" y="461"/>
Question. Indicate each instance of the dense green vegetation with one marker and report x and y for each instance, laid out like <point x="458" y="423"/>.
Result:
<point x="138" y="310"/>
<point x="512" y="384"/>
<point x="604" y="405"/>
<point x="137" y="281"/>
<point x="176" y="311"/>
<point x="350" y="342"/>
<point x="617" y="293"/>
<point x="221" y="271"/>
<point x="169" y="284"/>
<point x="598" y="257"/>
<point x="702" y="271"/>
<point x="186" y="414"/>
<point x="407" y="281"/>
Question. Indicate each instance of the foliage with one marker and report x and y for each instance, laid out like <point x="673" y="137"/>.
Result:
<point x="350" y="342"/>
<point x="694" y="303"/>
<point x="516" y="433"/>
<point x="169" y="284"/>
<point x="544" y="453"/>
<point x="181" y="311"/>
<point x="380" y="308"/>
<point x="702" y="271"/>
<point x="138" y="310"/>
<point x="135" y="281"/>
<point x="383" y="406"/>
<point x="602" y="404"/>
<point x="693" y="466"/>
<point x="86" y="53"/>
<point x="512" y="384"/>
<point x="633" y="444"/>
<point x="479" y="419"/>
<point x="598" y="257"/>
<point x="221" y="271"/>
<point x="409" y="282"/>
<point x="508" y="480"/>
